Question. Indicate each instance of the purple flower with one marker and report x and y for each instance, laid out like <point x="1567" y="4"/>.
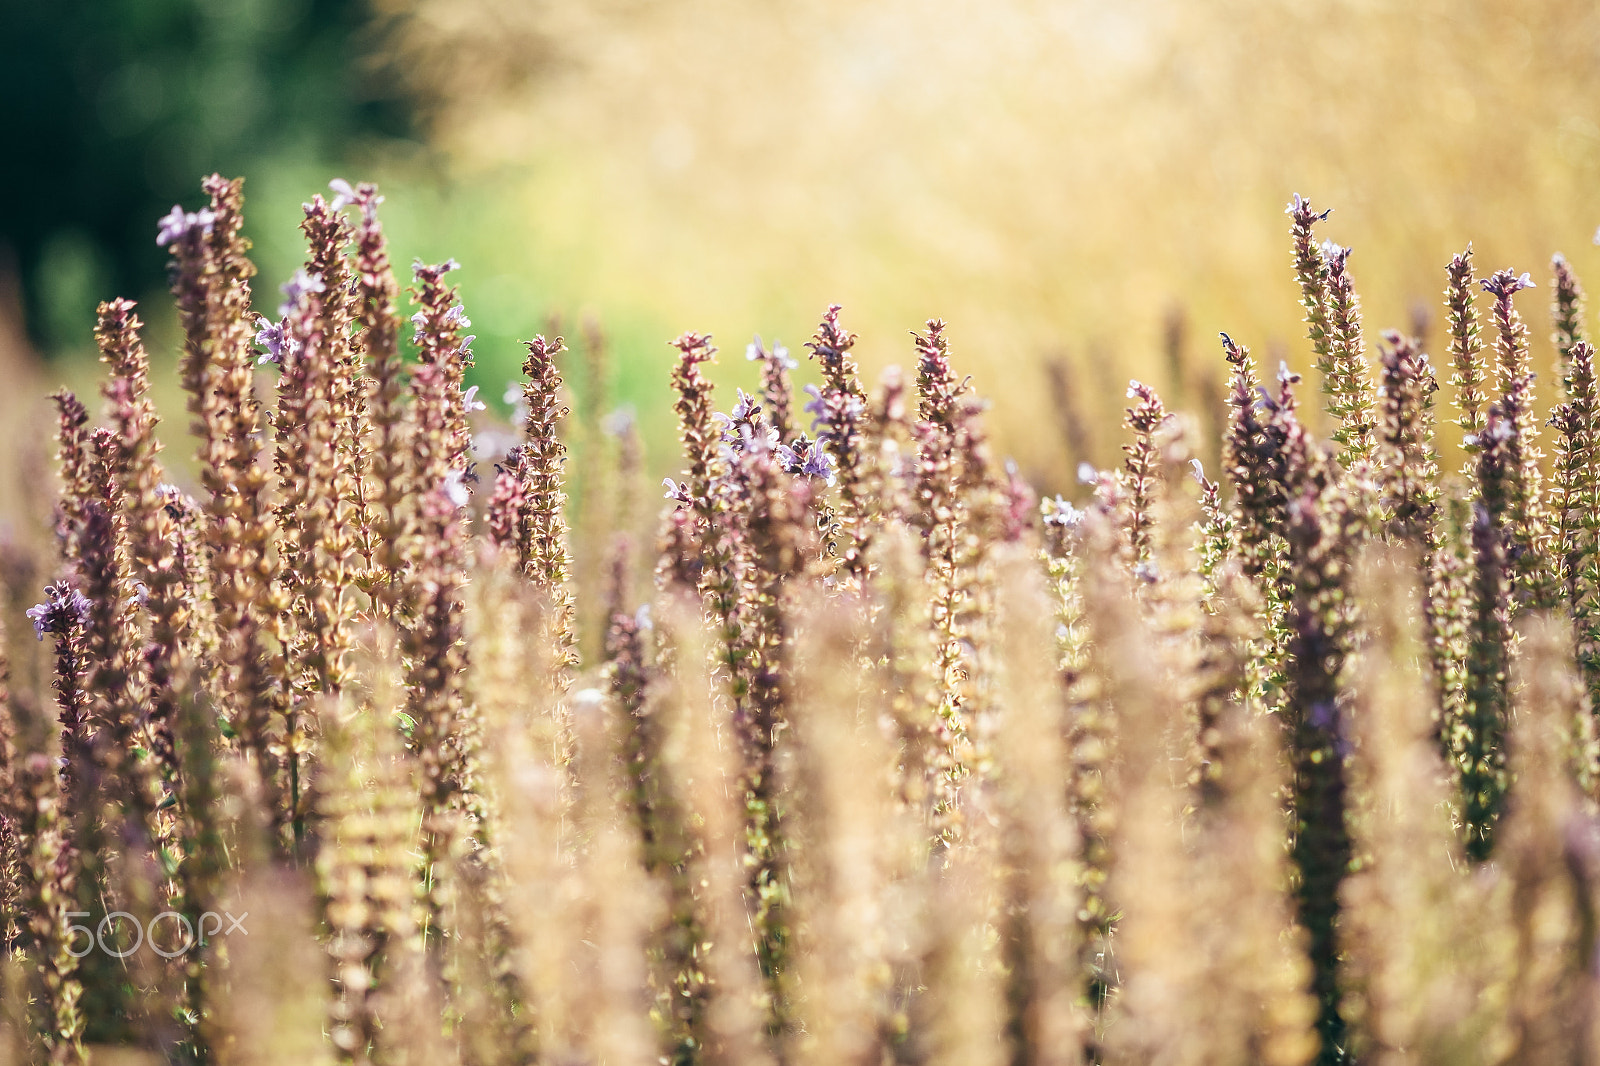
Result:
<point x="806" y="458"/>
<point x="455" y="489"/>
<point x="178" y="224"/>
<point x="677" y="492"/>
<point x="39" y="613"/>
<point x="343" y="194"/>
<point x="1334" y="252"/>
<point x="62" y="609"/>
<point x="1503" y="285"/>
<point x="1060" y="513"/>
<point x="457" y="316"/>
<point x="418" y="266"/>
<point x="297" y="289"/>
<point x="1300" y="203"/>
<point x="745" y="408"/>
<point x="1199" y="470"/>
<point x="819" y="465"/>
<point x="274" y="338"/>
<point x="742" y="437"/>
<point x="470" y="400"/>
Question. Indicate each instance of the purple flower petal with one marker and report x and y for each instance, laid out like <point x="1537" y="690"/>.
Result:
<point x="38" y="613"/>
<point x="274" y="338"/>
<point x="297" y="289"/>
<point x="178" y="224"/>
<point x="343" y="196"/>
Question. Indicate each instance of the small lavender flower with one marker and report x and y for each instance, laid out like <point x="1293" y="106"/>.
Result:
<point x="62" y="609"/>
<point x="470" y="401"/>
<point x="806" y="458"/>
<point x="1301" y="205"/>
<point x="818" y="465"/>
<point x="746" y="437"/>
<point x="1059" y="513"/>
<point x="178" y="224"/>
<point x="746" y="408"/>
<point x="343" y="196"/>
<point x="274" y="337"/>
<point x="457" y="316"/>
<point x="1503" y="284"/>
<point x="297" y="289"/>
<point x="678" y="491"/>
<point x="443" y="268"/>
<point x="745" y="428"/>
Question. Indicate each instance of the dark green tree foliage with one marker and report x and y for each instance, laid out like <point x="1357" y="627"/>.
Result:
<point x="112" y="106"/>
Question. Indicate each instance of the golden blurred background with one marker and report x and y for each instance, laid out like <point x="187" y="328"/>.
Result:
<point x="1086" y="192"/>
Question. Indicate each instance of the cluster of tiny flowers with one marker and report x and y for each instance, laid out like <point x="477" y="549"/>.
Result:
<point x="64" y="608"/>
<point x="179" y="224"/>
<point x="808" y="458"/>
<point x="1297" y="766"/>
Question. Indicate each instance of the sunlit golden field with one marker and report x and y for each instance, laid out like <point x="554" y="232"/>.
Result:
<point x="1048" y="177"/>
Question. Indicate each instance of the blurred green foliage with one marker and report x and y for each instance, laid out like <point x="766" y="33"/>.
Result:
<point x="115" y="108"/>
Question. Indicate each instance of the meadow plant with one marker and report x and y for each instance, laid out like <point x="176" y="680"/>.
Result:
<point x="892" y="764"/>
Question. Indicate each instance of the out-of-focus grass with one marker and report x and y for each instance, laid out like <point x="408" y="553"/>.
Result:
<point x="1047" y="176"/>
